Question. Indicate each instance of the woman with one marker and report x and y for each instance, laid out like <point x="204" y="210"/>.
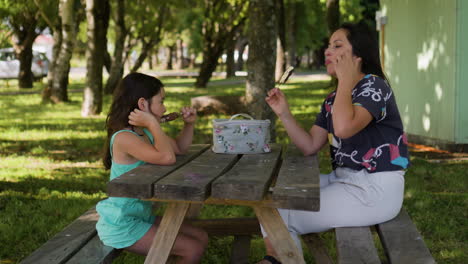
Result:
<point x="368" y="148"/>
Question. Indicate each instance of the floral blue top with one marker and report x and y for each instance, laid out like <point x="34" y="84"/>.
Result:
<point x="382" y="144"/>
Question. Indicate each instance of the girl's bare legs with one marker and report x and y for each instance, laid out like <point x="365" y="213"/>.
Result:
<point x="189" y="244"/>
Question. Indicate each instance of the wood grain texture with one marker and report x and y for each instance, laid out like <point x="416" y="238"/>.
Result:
<point x="402" y="241"/>
<point x="94" y="252"/>
<point x="355" y="245"/>
<point x="228" y="226"/>
<point x="278" y="234"/>
<point x="192" y="182"/>
<point x="167" y="232"/>
<point x="66" y="243"/>
<point x="298" y="183"/>
<point x="250" y="177"/>
<point x="266" y="202"/>
<point x="138" y="183"/>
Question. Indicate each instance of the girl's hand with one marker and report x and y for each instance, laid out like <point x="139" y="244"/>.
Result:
<point x="189" y="115"/>
<point x="277" y="101"/>
<point x="141" y="118"/>
<point x="348" y="67"/>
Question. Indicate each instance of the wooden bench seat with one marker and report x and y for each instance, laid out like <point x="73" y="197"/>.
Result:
<point x="77" y="243"/>
<point x="400" y="239"/>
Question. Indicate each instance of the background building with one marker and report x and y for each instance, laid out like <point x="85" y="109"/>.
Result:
<point x="425" y="50"/>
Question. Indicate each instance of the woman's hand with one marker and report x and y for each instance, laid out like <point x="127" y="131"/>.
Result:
<point x="141" y="118"/>
<point x="348" y="67"/>
<point x="277" y="101"/>
<point x="189" y="115"/>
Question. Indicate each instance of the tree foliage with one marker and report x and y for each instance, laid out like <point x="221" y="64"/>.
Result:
<point x="222" y="19"/>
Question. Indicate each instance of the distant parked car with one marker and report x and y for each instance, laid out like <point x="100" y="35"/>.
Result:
<point x="9" y="64"/>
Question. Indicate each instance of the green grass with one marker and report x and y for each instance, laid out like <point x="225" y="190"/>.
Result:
<point x="51" y="172"/>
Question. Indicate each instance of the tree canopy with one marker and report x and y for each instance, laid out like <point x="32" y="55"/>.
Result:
<point x="156" y="32"/>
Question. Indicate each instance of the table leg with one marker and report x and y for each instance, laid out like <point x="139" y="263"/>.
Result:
<point x="278" y="235"/>
<point x="167" y="233"/>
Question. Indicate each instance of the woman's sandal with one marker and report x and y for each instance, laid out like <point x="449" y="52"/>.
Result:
<point x="271" y="259"/>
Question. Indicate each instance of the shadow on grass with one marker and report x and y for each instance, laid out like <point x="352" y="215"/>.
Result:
<point x="66" y="149"/>
<point x="28" y="221"/>
<point x="72" y="124"/>
<point x="73" y="177"/>
<point x="33" y="186"/>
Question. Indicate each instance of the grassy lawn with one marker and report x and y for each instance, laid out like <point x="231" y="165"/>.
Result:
<point x="51" y="171"/>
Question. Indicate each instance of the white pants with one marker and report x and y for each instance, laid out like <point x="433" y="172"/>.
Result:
<point x="349" y="198"/>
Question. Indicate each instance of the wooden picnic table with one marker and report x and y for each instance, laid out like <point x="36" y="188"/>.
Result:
<point x="283" y="178"/>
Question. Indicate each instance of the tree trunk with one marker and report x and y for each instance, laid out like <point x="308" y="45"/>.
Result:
<point x="117" y="65"/>
<point x="261" y="61"/>
<point x="148" y="45"/>
<point x="155" y="57"/>
<point x="319" y="55"/>
<point x="230" y="63"/>
<point x="291" y="34"/>
<point x="145" y="50"/>
<point x="333" y="22"/>
<point x="97" y="14"/>
<point x="47" y="92"/>
<point x="58" y="75"/>
<point x="309" y="57"/>
<point x="241" y="44"/>
<point x="217" y="32"/>
<point x="107" y="61"/>
<point x="192" y="58"/>
<point x="280" y="42"/>
<point x="208" y="66"/>
<point x="179" y="55"/>
<point x="333" y="15"/>
<point x="150" y="60"/>
<point x="280" y="65"/>
<point x="25" y="77"/>
<point x="169" y="53"/>
<point x="23" y="48"/>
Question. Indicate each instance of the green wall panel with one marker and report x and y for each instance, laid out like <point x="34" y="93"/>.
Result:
<point x="420" y="45"/>
<point x="462" y="72"/>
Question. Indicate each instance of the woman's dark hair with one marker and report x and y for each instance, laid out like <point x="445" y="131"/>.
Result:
<point x="365" y="46"/>
<point x="131" y="88"/>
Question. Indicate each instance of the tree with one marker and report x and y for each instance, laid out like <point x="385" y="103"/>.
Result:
<point x="293" y="7"/>
<point x="261" y="61"/>
<point x="333" y="15"/>
<point x="117" y="61"/>
<point x="63" y="20"/>
<point x="280" y="41"/>
<point x="150" y="34"/>
<point x="230" y="63"/>
<point x="241" y="44"/>
<point x="180" y="31"/>
<point x="97" y="17"/>
<point x="24" y="19"/>
<point x="222" y="19"/>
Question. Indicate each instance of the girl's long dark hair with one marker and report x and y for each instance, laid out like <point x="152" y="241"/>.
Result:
<point x="131" y="88"/>
<point x="366" y="46"/>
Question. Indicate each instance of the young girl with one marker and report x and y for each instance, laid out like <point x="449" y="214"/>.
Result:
<point x="368" y="148"/>
<point x="135" y="137"/>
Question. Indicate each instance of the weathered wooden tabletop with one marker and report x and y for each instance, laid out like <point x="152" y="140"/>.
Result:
<point x="262" y="181"/>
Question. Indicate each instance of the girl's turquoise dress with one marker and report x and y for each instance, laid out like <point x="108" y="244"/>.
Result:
<point x="123" y="221"/>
